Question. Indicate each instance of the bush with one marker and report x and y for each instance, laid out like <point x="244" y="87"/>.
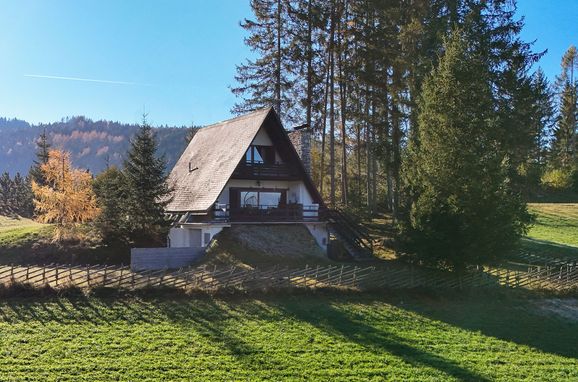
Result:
<point x="558" y="179"/>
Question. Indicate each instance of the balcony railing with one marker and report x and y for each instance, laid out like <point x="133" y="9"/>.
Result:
<point x="264" y="171"/>
<point x="264" y="213"/>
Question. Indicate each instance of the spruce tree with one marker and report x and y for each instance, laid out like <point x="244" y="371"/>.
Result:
<point x="463" y="208"/>
<point x="264" y="81"/>
<point x="42" y="149"/>
<point x="147" y="188"/>
<point x="110" y="188"/>
<point x="564" y="146"/>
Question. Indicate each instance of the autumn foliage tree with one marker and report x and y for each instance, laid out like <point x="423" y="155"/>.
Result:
<point x="67" y="199"/>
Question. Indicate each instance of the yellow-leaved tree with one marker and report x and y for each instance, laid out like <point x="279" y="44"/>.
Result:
<point x="67" y="199"/>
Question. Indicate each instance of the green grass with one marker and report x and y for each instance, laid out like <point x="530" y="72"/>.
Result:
<point x="557" y="223"/>
<point x="555" y="232"/>
<point x="314" y="337"/>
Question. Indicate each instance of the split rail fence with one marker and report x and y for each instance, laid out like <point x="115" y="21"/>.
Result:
<point x="335" y="276"/>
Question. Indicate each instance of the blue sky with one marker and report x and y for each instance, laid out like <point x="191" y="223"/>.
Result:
<point x="174" y="58"/>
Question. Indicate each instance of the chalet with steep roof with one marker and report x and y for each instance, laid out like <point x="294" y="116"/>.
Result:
<point x="246" y="170"/>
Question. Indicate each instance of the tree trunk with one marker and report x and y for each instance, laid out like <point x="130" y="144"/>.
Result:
<point x="278" y="62"/>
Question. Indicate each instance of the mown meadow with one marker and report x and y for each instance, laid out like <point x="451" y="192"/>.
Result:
<point x="349" y="337"/>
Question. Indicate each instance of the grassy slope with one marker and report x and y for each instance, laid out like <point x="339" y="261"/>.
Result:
<point x="256" y="245"/>
<point x="555" y="223"/>
<point x="337" y="337"/>
<point x="555" y="232"/>
<point x="24" y="241"/>
<point x="16" y="232"/>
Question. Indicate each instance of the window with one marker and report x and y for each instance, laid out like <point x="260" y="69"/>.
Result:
<point x="260" y="199"/>
<point x="260" y="155"/>
<point x="249" y="199"/>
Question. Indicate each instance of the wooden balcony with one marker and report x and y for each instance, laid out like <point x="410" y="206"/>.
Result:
<point x="287" y="213"/>
<point x="262" y="171"/>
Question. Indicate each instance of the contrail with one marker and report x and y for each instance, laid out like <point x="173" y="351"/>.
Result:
<point x="84" y="80"/>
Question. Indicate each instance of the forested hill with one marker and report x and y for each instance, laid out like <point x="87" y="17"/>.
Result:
<point x="91" y="143"/>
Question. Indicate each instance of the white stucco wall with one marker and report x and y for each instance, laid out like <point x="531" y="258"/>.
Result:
<point x="320" y="233"/>
<point x="193" y="235"/>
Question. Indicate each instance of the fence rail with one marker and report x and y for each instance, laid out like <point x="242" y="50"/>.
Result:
<point x="333" y="276"/>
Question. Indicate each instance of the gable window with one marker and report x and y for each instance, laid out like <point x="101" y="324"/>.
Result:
<point x="260" y="155"/>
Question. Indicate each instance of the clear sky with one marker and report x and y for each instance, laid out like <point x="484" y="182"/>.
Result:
<point x="175" y="58"/>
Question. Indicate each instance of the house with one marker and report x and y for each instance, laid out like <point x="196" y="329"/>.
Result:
<point x="246" y="170"/>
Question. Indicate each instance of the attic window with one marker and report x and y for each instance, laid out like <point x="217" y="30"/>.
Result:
<point x="260" y="155"/>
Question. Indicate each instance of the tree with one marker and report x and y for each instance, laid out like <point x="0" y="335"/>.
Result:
<point x="463" y="209"/>
<point x="147" y="190"/>
<point x="66" y="199"/>
<point x="264" y="82"/>
<point x="110" y="188"/>
<point x="564" y="145"/>
<point x="42" y="150"/>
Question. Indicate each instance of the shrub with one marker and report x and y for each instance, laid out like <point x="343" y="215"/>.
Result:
<point x="558" y="179"/>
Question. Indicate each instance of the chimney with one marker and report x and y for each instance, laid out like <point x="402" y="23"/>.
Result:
<point x="301" y="139"/>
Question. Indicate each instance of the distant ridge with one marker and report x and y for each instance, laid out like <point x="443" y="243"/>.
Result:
<point x="92" y="144"/>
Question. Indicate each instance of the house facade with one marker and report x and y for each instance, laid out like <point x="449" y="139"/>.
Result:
<point x="246" y="170"/>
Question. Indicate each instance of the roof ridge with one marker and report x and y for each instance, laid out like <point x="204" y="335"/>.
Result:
<point x="237" y="118"/>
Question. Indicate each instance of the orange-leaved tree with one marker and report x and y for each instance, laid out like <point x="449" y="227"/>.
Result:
<point x="67" y="198"/>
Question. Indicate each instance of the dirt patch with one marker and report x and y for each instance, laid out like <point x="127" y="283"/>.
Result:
<point x="566" y="308"/>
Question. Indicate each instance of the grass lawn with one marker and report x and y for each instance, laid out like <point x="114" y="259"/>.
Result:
<point x="555" y="233"/>
<point x="313" y="337"/>
<point x="555" y="222"/>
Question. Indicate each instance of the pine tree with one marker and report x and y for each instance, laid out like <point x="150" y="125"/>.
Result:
<point x="148" y="190"/>
<point x="264" y="82"/>
<point x="110" y="188"/>
<point x="564" y="146"/>
<point x="42" y="150"/>
<point x="6" y="207"/>
<point x="463" y="208"/>
<point x="542" y="116"/>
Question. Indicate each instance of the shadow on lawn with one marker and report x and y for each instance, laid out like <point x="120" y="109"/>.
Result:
<point x="501" y="316"/>
<point x="343" y="324"/>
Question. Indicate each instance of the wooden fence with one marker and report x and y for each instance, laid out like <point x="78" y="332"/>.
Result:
<point x="334" y="276"/>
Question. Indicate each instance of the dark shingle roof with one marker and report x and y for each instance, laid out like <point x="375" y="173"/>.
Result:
<point x="213" y="153"/>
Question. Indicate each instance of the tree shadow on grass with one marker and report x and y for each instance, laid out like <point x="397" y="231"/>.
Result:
<point x="501" y="315"/>
<point x="339" y="323"/>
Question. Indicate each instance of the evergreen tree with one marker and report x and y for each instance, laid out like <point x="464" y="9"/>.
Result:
<point x="5" y="194"/>
<point x="22" y="196"/>
<point x="463" y="208"/>
<point x="147" y="188"/>
<point x="542" y="116"/>
<point x="42" y="150"/>
<point x="564" y="146"/>
<point x="111" y="192"/>
<point x="264" y="82"/>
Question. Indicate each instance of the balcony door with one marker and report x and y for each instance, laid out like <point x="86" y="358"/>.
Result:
<point x="257" y="198"/>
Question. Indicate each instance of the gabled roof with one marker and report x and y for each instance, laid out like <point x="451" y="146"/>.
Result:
<point x="213" y="153"/>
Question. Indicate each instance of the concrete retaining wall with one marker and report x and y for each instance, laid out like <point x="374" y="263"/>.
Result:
<point x="164" y="258"/>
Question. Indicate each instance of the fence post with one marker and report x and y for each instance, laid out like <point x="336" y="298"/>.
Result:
<point x="56" y="274"/>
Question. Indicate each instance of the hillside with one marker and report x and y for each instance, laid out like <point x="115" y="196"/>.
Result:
<point x="91" y="143"/>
